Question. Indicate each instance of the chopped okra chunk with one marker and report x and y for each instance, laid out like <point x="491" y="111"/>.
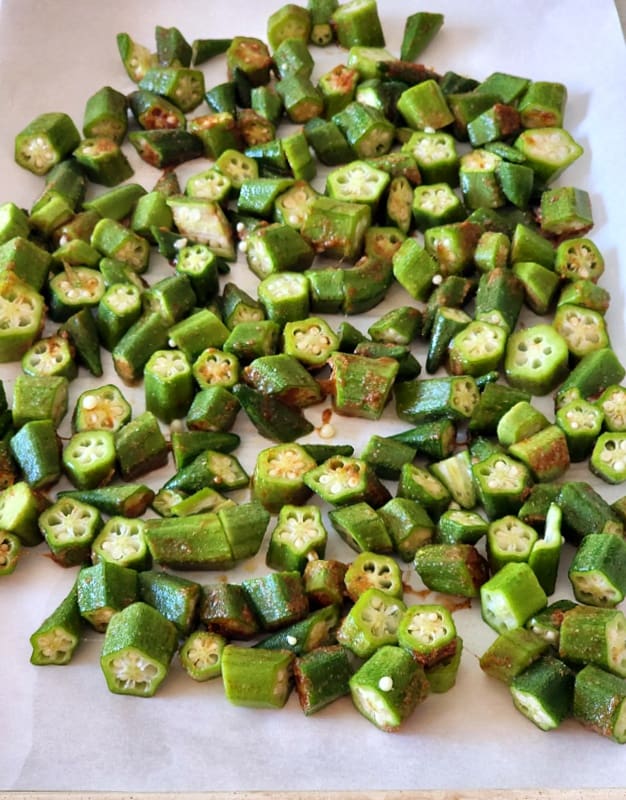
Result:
<point x="608" y="458"/>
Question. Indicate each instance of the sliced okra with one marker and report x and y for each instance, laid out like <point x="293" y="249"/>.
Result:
<point x="278" y="476"/>
<point x="89" y="458"/>
<point x="423" y="400"/>
<point x="460" y="526"/>
<point x="28" y="260"/>
<point x="455" y="472"/>
<point x="583" y="329"/>
<point x="214" y="367"/>
<point x="368" y="132"/>
<point x="594" y="635"/>
<point x="477" y="349"/>
<point x="252" y="57"/>
<point x="501" y="484"/>
<point x="69" y="527"/>
<point x="155" y="112"/>
<point x="436" y="156"/>
<point x="132" y="352"/>
<point x="196" y="542"/>
<point x="536" y="359"/>
<point x="428" y="632"/>
<point x="10" y="552"/>
<point x="285" y="296"/>
<point x="324" y="581"/>
<point x="175" y="597"/>
<point x="206" y="499"/>
<point x="607" y="457"/>
<point x="36" y="449"/>
<point x="492" y="251"/>
<point x="387" y="456"/>
<point x="122" y="541"/>
<point x="360" y="526"/>
<point x="256" y="677"/>
<point x="408" y="524"/>
<point x="46" y="141"/>
<point x="512" y="652"/>
<point x="316" y="630"/>
<point x="594" y="373"/>
<point x="424" y="106"/>
<point x="114" y="240"/>
<point x="272" y="417"/>
<point x="343" y="480"/>
<point x="599" y="702"/>
<point x="612" y="405"/>
<point x="298" y="536"/>
<point x="544" y="692"/>
<point x="186" y="445"/>
<point x="74" y="289"/>
<point x="203" y="221"/>
<point x="39" y="397"/>
<point x="442" y="676"/>
<point x="545" y="553"/>
<point x="585" y="512"/>
<point x="548" y="151"/>
<point x="535" y="508"/>
<point x="321" y="677"/>
<point x="578" y="258"/>
<point x="201" y="655"/>
<point x="168" y="384"/>
<point x="221" y="471"/>
<point x="372" y="622"/>
<point x="21" y="316"/>
<point x="419" y="484"/>
<point x="81" y="334"/>
<point x="328" y="142"/>
<point x="527" y="244"/>
<point x="547" y="623"/>
<point x="457" y="569"/>
<point x="520" y="422"/>
<point x="103" y="161"/>
<point x="373" y="570"/>
<point x="509" y="540"/>
<point x="435" y="440"/>
<point x="58" y="636"/>
<point x="357" y="182"/>
<point x="566" y="211"/>
<point x="336" y="228"/>
<point x="598" y="570"/>
<point x="128" y="500"/>
<point x="226" y="609"/>
<point x="545" y="453"/>
<point x="119" y="308"/>
<point x="277" y="248"/>
<point x="278" y="598"/>
<point x="103" y="590"/>
<point x="420" y="29"/>
<point x="543" y="104"/>
<point x="453" y="245"/>
<point x="103" y="408"/>
<point x="136" y="57"/>
<point x="20" y="507"/>
<point x="140" y="446"/>
<point x="480" y="186"/>
<point x="511" y="596"/>
<point x="582" y="423"/>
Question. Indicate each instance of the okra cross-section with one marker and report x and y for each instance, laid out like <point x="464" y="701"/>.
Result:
<point x="372" y="622"/>
<point x="342" y="480"/>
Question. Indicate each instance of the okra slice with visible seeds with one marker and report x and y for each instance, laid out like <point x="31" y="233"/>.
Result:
<point x="221" y="471"/>
<point x="582" y="423"/>
<point x="203" y="221"/>
<point x="548" y="151"/>
<point x="103" y="161"/>
<point x="594" y="373"/>
<point x="46" y="141"/>
<point x="128" y="500"/>
<point x="547" y="623"/>
<point x="285" y="296"/>
<point x="103" y="408"/>
<point x="73" y="289"/>
<point x="612" y="406"/>
<point x="598" y="570"/>
<point x="373" y="570"/>
<point x="599" y="702"/>
<point x="579" y="258"/>
<point x="536" y="359"/>
<point x="388" y="687"/>
<point x="509" y="540"/>
<point x="544" y="692"/>
<point x="58" y="636"/>
<point x="419" y="484"/>
<point x="21" y="317"/>
<point x="428" y="632"/>
<point x="299" y="535"/>
<point x="69" y="527"/>
<point x="214" y="367"/>
<point x="201" y="655"/>
<point x="457" y="569"/>
<point x="477" y="349"/>
<point x="501" y="484"/>
<point x="10" y="551"/>
<point x="89" y="458"/>
<point x="138" y="647"/>
<point x="594" y="635"/>
<point x="278" y="476"/>
<point x="371" y="623"/>
<point x="342" y="480"/>
<point x="255" y="677"/>
<point x="511" y="596"/>
<point x="424" y="400"/>
<point x="122" y="541"/>
<point x="52" y="355"/>
<point x="608" y="457"/>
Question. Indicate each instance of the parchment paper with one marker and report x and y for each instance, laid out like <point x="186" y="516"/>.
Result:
<point x="60" y="728"/>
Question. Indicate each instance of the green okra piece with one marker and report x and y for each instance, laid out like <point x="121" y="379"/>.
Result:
<point x="73" y="252"/>
<point x="511" y="596"/>
<point x="218" y="132"/>
<point x="611" y="404"/>
<point x="387" y="456"/>
<point x="166" y="147"/>
<point x="122" y="541"/>
<point x="357" y="23"/>
<point x="290" y="21"/>
<point x="144" y="337"/>
<point x="543" y="104"/>
<point x="516" y="182"/>
<point x="566" y="211"/>
<point x="366" y="129"/>
<point x="435" y="204"/>
<point x="214" y="367"/>
<point x="22" y="317"/>
<point x="360" y="526"/>
<point x="511" y="653"/>
<point x="594" y="373"/>
<point x="10" y="552"/>
<point x="328" y="141"/>
<point x="278" y="477"/>
<point x="336" y="228"/>
<point x="509" y="540"/>
<point x="298" y="536"/>
<point x="221" y="471"/>
<point x="460" y="526"/>
<point x="74" y="289"/>
<point x="45" y="141"/>
<point x="606" y="461"/>
<point x="435" y="440"/>
<point x="549" y="151"/>
<point x="293" y="205"/>
<point x="501" y="484"/>
<point x="598" y="570"/>
<point x="338" y="87"/>
<point x="357" y="182"/>
<point x="300" y="161"/>
<point x="52" y="355"/>
<point x="302" y="100"/>
<point x="116" y="241"/>
<point x="102" y="408"/>
<point x="545" y="453"/>
<point x="398" y="326"/>
<point x="321" y="452"/>
<point x="119" y="308"/>
<point x="258" y="195"/>
<point x="361" y="386"/>
<point x="398" y="206"/>
<point x="545" y="553"/>
<point x="499" y="298"/>
<point x="186" y="445"/>
<point x="273" y="418"/>
<point x="373" y="570"/>
<point x="479" y="183"/>
<point x="81" y="333"/>
<point x="175" y="597"/>
<point x="103" y="161"/>
<point x="226" y="609"/>
<point x="266" y="101"/>
<point x="388" y="687"/>
<point x="584" y="330"/>
<point x="492" y="251"/>
<point x="13" y="222"/>
<point x="168" y="384"/>
<point x="196" y="542"/>
<point x="494" y="402"/>
<point x="420" y="29"/>
<point x="501" y="121"/>
<point x="477" y="349"/>
<point x="172" y="49"/>
<point x="594" y="635"/>
<point x="455" y="472"/>
<point x="528" y="245"/>
<point x="453" y="245"/>
<point x="203" y="221"/>
<point x="535" y="508"/>
<point x="451" y="568"/>
<point x="127" y="500"/>
<point x="316" y="630"/>
<point x="285" y="296"/>
<point x="547" y="623"/>
<point x="277" y="248"/>
<point x="140" y="446"/>
<point x="89" y="458"/>
<point x="200" y="265"/>
<point x="209" y="183"/>
<point x="442" y="676"/>
<point x="322" y="676"/>
<point x="586" y="512"/>
<point x="106" y="114"/>
<point x="138" y="647"/>
<point x="578" y="258"/>
<point x="424" y="400"/>
<point x="203" y="50"/>
<point x="544" y="692"/>
<point x="28" y="260"/>
<point x="200" y="336"/>
<point x="465" y="105"/>
<point x="183" y="86"/>
<point x="345" y="480"/>
<point x="419" y="484"/>
<point x="447" y="323"/>
<point x="151" y="211"/>
<point x="136" y="58"/>
<point x="278" y="599"/>
<point x="255" y="677"/>
<point x="291" y="57"/>
<point x="206" y="499"/>
<point x="408" y="366"/>
<point x="581" y="423"/>
<point x="201" y="655"/>
<point x="408" y="524"/>
<point x="428" y="632"/>
<point x="39" y="397"/>
<point x="321" y="12"/>
<point x="508" y="87"/>
<point x="238" y="306"/>
<point x="599" y="702"/>
<point x="324" y="581"/>
<point x="452" y="292"/>
<point x="536" y="359"/>
<point x="37" y="450"/>
<point x="540" y="285"/>
<point x="371" y="622"/>
<point x="103" y="590"/>
<point x="56" y="639"/>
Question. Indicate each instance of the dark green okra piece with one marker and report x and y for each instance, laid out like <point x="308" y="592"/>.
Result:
<point x="420" y="484"/>
<point x="103" y="590"/>
<point x="140" y="446"/>
<point x="45" y="141"/>
<point x="599" y="702"/>
<point x="322" y="676"/>
<point x="196" y="542"/>
<point x="36" y="449"/>
<point x="586" y="512"/>
<point x="126" y="500"/>
<point x="451" y="568"/>
<point x="226" y="609"/>
<point x="316" y="630"/>
<point x="221" y="471"/>
<point x="428" y="632"/>
<point x="598" y="570"/>
<point x="547" y="623"/>
<point x="345" y="480"/>
<point x="424" y="400"/>
<point x="360" y="526"/>
<point x="175" y="597"/>
<point x="186" y="445"/>
<point x="594" y="635"/>
<point x="256" y="677"/>
<point x="273" y="418"/>
<point x="213" y="408"/>
<point x="278" y="477"/>
<point x="511" y="596"/>
<point x="58" y="636"/>
<point x="278" y="599"/>
<point x="544" y="692"/>
<point x="435" y="440"/>
<point x="512" y="652"/>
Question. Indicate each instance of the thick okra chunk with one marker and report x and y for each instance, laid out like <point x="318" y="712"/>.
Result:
<point x="342" y="480"/>
<point x="388" y="687"/>
<point x="175" y="597"/>
<point x="451" y="568"/>
<point x="36" y="450"/>
<point x="373" y="570"/>
<point x="477" y="349"/>
<point x="519" y="422"/>
<point x="419" y="484"/>
<point x="547" y="623"/>
<point x="58" y="636"/>
<point x="140" y="446"/>
<point x="21" y="317"/>
<point x="460" y="526"/>
<point x="285" y="377"/>
<point x="612" y="406"/>
<point x="52" y="355"/>
<point x="511" y="653"/>
<point x="322" y="676"/>
<point x="585" y="511"/>
<point x="511" y="596"/>
<point x="226" y="609"/>
<point x="548" y="151"/>
<point x="501" y="484"/>
<point x="196" y="542"/>
<point x="20" y="507"/>
<point x="46" y="141"/>
<point x="336" y="228"/>
<point x="425" y="400"/>
<point x="387" y="456"/>
<point x="536" y="359"/>
<point x="273" y="418"/>
<point x="424" y="106"/>
<point x="299" y="535"/>
<point x="256" y="677"/>
<point x="104" y="408"/>
<point x="594" y="373"/>
<point x="566" y="211"/>
<point x="121" y="540"/>
<point x="578" y="258"/>
<point x="371" y="623"/>
<point x="608" y="458"/>
<point x="277" y="248"/>
<point x="509" y="540"/>
<point x="361" y="386"/>
<point x="89" y="458"/>
<point x="201" y="655"/>
<point x="203" y="221"/>
<point x="455" y="472"/>
<point x="428" y="632"/>
<point x="598" y="570"/>
<point x="69" y="527"/>
<point x="544" y="692"/>
<point x="278" y="599"/>
<point x="324" y="581"/>
<point x="545" y="453"/>
<point x="599" y="702"/>
<point x="278" y="477"/>
<point x="103" y="161"/>
<point x="311" y="341"/>
<point x="317" y="629"/>
<point x="221" y="471"/>
<point x="583" y="329"/>
<point x="168" y="384"/>
<point x="593" y="635"/>
<point x="104" y="589"/>
<point x="361" y="528"/>
<point x="138" y="647"/>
